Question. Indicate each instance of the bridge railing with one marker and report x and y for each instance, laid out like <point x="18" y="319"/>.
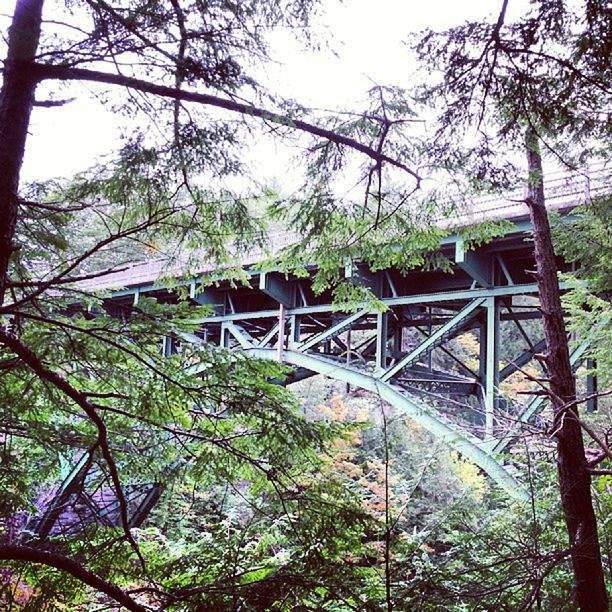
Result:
<point x="563" y="191"/>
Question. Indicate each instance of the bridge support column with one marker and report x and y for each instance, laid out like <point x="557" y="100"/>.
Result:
<point x="382" y="324"/>
<point x="398" y="333"/>
<point x="224" y="339"/>
<point x="295" y="324"/>
<point x="482" y="368"/>
<point x="281" y="332"/>
<point x="492" y="363"/>
<point x="168" y="346"/>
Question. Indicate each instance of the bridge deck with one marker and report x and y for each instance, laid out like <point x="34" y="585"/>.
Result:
<point x="563" y="192"/>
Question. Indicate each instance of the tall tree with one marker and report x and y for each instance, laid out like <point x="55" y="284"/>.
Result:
<point x="539" y="82"/>
<point x="16" y="101"/>
<point x="185" y="68"/>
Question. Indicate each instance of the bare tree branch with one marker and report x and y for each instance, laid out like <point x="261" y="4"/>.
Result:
<point x="65" y="564"/>
<point x="600" y="472"/>
<point x="52" y="103"/>
<point x="64" y="73"/>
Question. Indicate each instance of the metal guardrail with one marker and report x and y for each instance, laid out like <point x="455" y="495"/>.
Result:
<point x="563" y="190"/>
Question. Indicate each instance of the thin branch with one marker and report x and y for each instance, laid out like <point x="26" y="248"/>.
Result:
<point x="65" y="564"/>
<point x="600" y="472"/>
<point x="566" y="64"/>
<point x="64" y="73"/>
<point x="533" y="595"/>
<point x="571" y="406"/>
<point x="52" y="208"/>
<point x="52" y="103"/>
<point x="593" y="434"/>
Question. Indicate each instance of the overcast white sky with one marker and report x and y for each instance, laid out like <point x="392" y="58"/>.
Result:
<point x="367" y="36"/>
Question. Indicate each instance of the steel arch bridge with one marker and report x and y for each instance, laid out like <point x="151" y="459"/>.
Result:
<point x="407" y="354"/>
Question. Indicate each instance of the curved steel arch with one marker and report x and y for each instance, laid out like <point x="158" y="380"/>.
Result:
<point x="469" y="446"/>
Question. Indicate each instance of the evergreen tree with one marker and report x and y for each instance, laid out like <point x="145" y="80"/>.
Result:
<point x="540" y="82"/>
<point x="78" y="387"/>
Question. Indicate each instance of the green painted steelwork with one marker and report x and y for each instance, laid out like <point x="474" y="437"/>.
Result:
<point x="274" y="284"/>
<point x="469" y="446"/>
<point x="478" y="266"/>
<point x="431" y="341"/>
<point x="535" y="405"/>
<point x="516" y="364"/>
<point x="332" y="331"/>
<point x="280" y="317"/>
<point x="427" y="298"/>
<point x="245" y="340"/>
<point x="382" y="327"/>
<point x="492" y="363"/>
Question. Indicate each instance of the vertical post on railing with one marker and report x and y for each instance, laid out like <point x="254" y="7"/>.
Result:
<point x="281" y="333"/>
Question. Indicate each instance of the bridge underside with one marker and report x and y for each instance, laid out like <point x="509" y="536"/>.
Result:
<point x="454" y="352"/>
<point x="437" y="357"/>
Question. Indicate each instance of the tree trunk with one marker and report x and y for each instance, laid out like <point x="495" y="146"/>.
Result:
<point x="574" y="477"/>
<point x="16" y="101"/>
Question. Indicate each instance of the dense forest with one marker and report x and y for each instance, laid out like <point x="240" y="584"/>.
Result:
<point x="136" y="477"/>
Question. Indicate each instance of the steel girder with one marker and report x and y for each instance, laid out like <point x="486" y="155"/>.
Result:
<point x="86" y="495"/>
<point x="368" y="350"/>
<point x="469" y="446"/>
